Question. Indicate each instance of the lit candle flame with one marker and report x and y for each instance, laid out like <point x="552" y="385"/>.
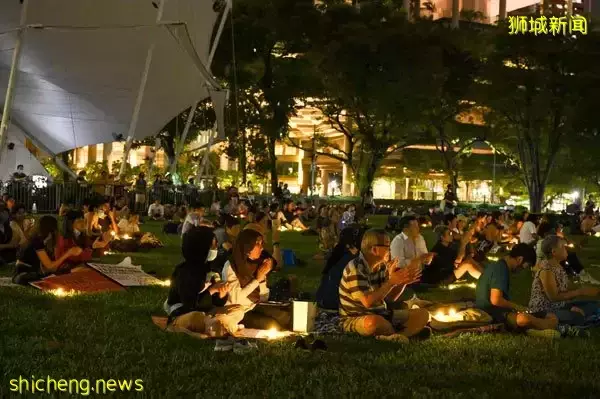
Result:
<point x="571" y="245"/>
<point x="493" y="258"/>
<point x="126" y="237"/>
<point x="113" y="233"/>
<point x="165" y="283"/>
<point x="61" y="293"/>
<point x="597" y="234"/>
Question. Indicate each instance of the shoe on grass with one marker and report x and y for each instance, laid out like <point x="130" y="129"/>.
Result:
<point x="397" y="338"/>
<point x="571" y="331"/>
<point x="548" y="334"/>
<point x="224" y="345"/>
<point x="244" y="346"/>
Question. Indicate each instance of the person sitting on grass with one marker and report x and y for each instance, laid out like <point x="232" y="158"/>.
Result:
<point x="21" y="226"/>
<point x="194" y="218"/>
<point x="9" y="242"/>
<point x="347" y="249"/>
<point x="37" y="260"/>
<point x="106" y="216"/>
<point x="120" y="209"/>
<point x="492" y="295"/>
<point x="528" y="232"/>
<point x="550" y="289"/>
<point x="192" y="299"/>
<point x="292" y="216"/>
<point x="130" y="225"/>
<point x="367" y="281"/>
<point x="263" y="225"/>
<point x="246" y="273"/>
<point x="156" y="211"/>
<point x="443" y="269"/>
<point x="73" y="235"/>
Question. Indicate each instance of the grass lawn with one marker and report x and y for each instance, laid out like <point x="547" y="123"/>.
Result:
<point x="106" y="336"/>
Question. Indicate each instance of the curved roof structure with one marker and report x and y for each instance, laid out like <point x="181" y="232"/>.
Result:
<point x="82" y="63"/>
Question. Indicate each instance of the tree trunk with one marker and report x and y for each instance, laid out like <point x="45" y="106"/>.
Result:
<point x="536" y="196"/>
<point x="369" y="164"/>
<point x="272" y="164"/>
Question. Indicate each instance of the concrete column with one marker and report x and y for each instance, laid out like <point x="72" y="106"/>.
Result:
<point x="455" y="13"/>
<point x="324" y="182"/>
<point x="224" y="162"/>
<point x="406" y="187"/>
<point x="502" y="10"/>
<point x="346" y="172"/>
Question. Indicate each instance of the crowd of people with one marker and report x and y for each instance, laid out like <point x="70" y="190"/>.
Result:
<point x="370" y="279"/>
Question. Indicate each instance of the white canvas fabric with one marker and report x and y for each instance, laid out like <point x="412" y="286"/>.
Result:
<point x="79" y="76"/>
<point x="18" y="155"/>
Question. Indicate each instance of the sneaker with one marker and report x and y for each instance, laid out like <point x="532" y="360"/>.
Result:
<point x="244" y="346"/>
<point x="224" y="345"/>
<point x="548" y="334"/>
<point x="587" y="278"/>
<point x="397" y="338"/>
<point x="571" y="331"/>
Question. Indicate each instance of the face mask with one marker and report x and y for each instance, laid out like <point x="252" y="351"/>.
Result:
<point x="212" y="255"/>
<point x="101" y="214"/>
<point x="77" y="233"/>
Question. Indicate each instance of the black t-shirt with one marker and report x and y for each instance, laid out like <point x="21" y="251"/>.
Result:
<point x="29" y="255"/>
<point x="444" y="258"/>
<point x="7" y="234"/>
<point x="481" y="250"/>
<point x="290" y="217"/>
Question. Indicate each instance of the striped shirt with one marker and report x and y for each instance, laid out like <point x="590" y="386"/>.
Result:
<point x="359" y="279"/>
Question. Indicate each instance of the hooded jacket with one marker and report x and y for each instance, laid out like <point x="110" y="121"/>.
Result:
<point x="188" y="292"/>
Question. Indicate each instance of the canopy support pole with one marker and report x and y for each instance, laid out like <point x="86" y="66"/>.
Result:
<point x="194" y="106"/>
<point x="140" y="97"/>
<point x="204" y="162"/>
<point x="12" y="78"/>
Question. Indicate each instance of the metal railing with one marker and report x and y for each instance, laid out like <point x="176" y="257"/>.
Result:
<point x="48" y="199"/>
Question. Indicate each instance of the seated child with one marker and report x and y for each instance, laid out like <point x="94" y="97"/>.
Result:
<point x="130" y="225"/>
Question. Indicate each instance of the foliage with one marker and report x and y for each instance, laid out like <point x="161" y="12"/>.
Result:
<point x="370" y="91"/>
<point x="94" y="169"/>
<point x="270" y="71"/>
<point x="53" y="170"/>
<point x="538" y="91"/>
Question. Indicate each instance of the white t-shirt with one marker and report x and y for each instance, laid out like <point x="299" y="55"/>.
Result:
<point x="125" y="227"/>
<point x="526" y="235"/>
<point x="239" y="295"/>
<point x="406" y="249"/>
<point x="156" y="210"/>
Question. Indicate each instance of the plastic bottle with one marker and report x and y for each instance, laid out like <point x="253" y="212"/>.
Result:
<point x="34" y="208"/>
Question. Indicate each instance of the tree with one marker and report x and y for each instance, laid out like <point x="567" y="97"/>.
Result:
<point x="369" y="89"/>
<point x="538" y="87"/>
<point x="270" y="69"/>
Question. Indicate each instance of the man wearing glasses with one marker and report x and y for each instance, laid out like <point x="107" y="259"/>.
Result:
<point x="368" y="281"/>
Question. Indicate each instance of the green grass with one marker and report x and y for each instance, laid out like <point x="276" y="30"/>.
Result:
<point x="111" y="335"/>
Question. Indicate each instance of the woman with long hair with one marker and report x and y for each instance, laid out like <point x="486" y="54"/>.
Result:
<point x="38" y="259"/>
<point x="246" y="273"/>
<point x="74" y="235"/>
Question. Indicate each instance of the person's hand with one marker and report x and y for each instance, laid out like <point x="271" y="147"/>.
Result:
<point x="227" y="245"/>
<point x="75" y="251"/>
<point x="106" y="236"/>
<point x="221" y="288"/>
<point x="227" y="310"/>
<point x="264" y="269"/>
<point x="405" y="276"/>
<point x="589" y="291"/>
<point x="426" y="258"/>
<point x="391" y="264"/>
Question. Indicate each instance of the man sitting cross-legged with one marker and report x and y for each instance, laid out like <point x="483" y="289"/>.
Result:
<point x="367" y="281"/>
<point x="492" y="295"/>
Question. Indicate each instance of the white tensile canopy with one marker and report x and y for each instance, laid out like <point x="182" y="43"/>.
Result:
<point x="82" y="63"/>
<point x="16" y="153"/>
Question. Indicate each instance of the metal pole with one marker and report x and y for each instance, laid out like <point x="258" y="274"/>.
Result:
<point x="205" y="159"/>
<point x="140" y="97"/>
<point x="12" y="78"/>
<point x="455" y="13"/>
<point x="188" y="122"/>
<point x="493" y="176"/>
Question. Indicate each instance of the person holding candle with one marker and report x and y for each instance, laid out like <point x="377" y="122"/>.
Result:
<point x="246" y="273"/>
<point x="368" y="281"/>
<point x="550" y="289"/>
<point x="492" y="295"/>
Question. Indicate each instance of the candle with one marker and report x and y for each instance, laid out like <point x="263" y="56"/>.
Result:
<point x="61" y="293"/>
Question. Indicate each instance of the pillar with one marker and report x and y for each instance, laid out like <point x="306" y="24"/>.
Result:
<point x="346" y="172"/>
<point x="324" y="182"/>
<point x="406" y="187"/>
<point x="224" y="162"/>
<point x="502" y="10"/>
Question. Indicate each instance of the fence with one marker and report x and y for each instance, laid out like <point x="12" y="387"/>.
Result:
<point x="49" y="198"/>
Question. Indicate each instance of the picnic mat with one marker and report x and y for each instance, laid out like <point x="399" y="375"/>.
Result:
<point x="476" y="330"/>
<point x="82" y="279"/>
<point x="7" y="282"/>
<point x="249" y="333"/>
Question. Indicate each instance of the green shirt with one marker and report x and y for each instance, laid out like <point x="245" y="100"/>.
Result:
<point x="496" y="275"/>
